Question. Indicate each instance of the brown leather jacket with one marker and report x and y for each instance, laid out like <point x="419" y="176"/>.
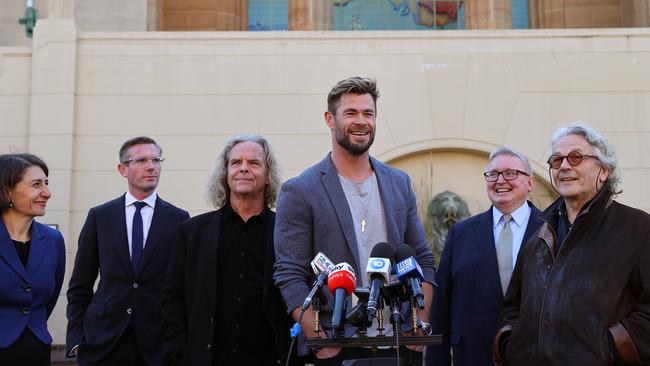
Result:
<point x="562" y="300"/>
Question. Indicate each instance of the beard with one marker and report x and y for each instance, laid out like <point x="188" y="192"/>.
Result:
<point x="343" y="139"/>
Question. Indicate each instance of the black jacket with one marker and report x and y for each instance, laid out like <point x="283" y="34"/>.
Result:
<point x="564" y="299"/>
<point x="189" y="297"/>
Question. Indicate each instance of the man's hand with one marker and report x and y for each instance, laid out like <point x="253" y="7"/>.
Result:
<point x="307" y="327"/>
<point x="423" y="315"/>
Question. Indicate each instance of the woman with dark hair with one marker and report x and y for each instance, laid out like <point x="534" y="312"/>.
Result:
<point x="32" y="262"/>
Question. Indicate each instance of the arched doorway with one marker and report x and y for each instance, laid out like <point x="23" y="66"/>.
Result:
<point x="460" y="172"/>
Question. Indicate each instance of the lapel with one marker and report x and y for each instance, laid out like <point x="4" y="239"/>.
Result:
<point x="270" y="253"/>
<point x="487" y="248"/>
<point x="332" y="184"/>
<point x="158" y="225"/>
<point x="208" y="243"/>
<point x="534" y="223"/>
<point x="117" y="222"/>
<point x="387" y="201"/>
<point x="37" y="250"/>
<point x="8" y="253"/>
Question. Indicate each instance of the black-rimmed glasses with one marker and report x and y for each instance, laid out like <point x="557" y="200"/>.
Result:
<point x="574" y="158"/>
<point x="144" y="161"/>
<point x="508" y="175"/>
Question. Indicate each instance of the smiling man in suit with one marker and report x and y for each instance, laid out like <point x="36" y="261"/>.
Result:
<point x="128" y="242"/>
<point x="477" y="262"/>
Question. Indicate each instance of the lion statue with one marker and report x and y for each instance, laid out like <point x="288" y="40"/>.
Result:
<point x="444" y="210"/>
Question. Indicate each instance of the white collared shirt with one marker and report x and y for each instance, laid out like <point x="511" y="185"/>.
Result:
<point x="518" y="226"/>
<point x="146" y="212"/>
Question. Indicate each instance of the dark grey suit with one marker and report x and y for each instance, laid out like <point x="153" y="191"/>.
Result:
<point x="313" y="216"/>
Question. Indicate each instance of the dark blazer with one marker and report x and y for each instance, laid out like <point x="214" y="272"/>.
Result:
<point x="28" y="295"/>
<point x="467" y="304"/>
<point x="97" y="320"/>
<point x="314" y="216"/>
<point x="189" y="297"/>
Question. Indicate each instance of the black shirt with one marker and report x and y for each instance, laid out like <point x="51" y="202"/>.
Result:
<point x="242" y="332"/>
<point x="22" y="249"/>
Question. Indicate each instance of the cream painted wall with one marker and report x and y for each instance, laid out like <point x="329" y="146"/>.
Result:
<point x="455" y="95"/>
<point x="15" y="79"/>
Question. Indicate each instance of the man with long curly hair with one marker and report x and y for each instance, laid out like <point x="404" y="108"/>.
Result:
<point x="219" y="299"/>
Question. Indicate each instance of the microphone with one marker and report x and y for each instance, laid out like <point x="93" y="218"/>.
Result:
<point x="341" y="282"/>
<point x="409" y="272"/>
<point x="378" y="274"/>
<point x="321" y="263"/>
<point x="322" y="267"/>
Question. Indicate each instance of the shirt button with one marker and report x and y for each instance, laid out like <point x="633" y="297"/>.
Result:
<point x="129" y="311"/>
<point x="25" y="311"/>
<point x="28" y="288"/>
<point x="135" y="285"/>
<point x="548" y="268"/>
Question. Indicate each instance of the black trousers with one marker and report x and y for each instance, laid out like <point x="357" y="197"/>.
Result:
<point x="27" y="350"/>
<point x="125" y="352"/>
<point x="407" y="357"/>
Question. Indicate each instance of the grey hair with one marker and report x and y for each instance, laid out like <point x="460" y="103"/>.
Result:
<point x="506" y="150"/>
<point x="603" y="150"/>
<point x="218" y="191"/>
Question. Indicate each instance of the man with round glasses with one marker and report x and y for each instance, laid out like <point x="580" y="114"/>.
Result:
<point x="477" y="262"/>
<point x="127" y="241"/>
<point x="580" y="293"/>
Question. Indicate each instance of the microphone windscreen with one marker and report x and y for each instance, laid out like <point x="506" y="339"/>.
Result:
<point x="403" y="251"/>
<point x="342" y="277"/>
<point x="382" y="250"/>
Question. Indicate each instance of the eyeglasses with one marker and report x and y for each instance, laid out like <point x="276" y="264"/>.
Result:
<point x="140" y="162"/>
<point x="508" y="175"/>
<point x="574" y="158"/>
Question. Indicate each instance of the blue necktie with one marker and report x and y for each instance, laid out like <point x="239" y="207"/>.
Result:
<point x="137" y="237"/>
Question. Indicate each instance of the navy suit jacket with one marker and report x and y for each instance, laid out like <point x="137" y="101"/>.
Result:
<point x="313" y="216"/>
<point x="28" y="295"/>
<point x="467" y="305"/>
<point x="97" y="319"/>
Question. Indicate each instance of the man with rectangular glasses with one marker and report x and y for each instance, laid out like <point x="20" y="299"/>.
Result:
<point x="580" y="293"/>
<point x="127" y="242"/>
<point x="477" y="262"/>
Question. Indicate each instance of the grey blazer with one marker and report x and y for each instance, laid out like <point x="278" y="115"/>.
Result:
<point x="313" y="216"/>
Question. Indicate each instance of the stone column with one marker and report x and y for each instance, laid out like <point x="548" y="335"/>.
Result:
<point x="311" y="15"/>
<point x="635" y="13"/>
<point x="154" y="14"/>
<point x="51" y="124"/>
<point x="220" y="15"/>
<point x="60" y="9"/>
<point x="488" y="14"/>
<point x="577" y="13"/>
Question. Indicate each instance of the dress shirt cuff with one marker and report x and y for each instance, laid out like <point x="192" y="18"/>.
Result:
<point x="73" y="352"/>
